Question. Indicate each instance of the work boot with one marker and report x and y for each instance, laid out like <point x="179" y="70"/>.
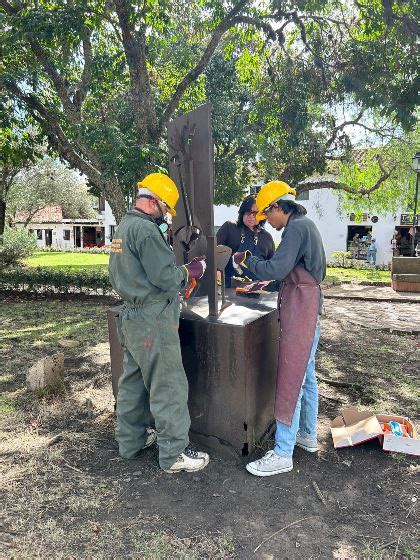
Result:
<point x="306" y="443"/>
<point x="189" y="461"/>
<point x="270" y="464"/>
<point x="151" y="437"/>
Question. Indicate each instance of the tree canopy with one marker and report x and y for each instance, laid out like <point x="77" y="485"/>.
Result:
<point x="49" y="183"/>
<point x="101" y="79"/>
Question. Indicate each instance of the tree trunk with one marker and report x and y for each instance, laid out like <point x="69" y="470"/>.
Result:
<point x="114" y="196"/>
<point x="2" y="217"/>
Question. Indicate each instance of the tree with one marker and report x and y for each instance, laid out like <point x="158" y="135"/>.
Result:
<point x="391" y="166"/>
<point x="49" y="183"/>
<point x="102" y="78"/>
<point x="17" y="152"/>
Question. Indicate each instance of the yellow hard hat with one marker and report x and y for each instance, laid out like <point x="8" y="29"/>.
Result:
<point x="163" y="187"/>
<point x="271" y="192"/>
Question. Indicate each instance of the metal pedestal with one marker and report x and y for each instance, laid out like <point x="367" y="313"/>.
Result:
<point x="231" y="364"/>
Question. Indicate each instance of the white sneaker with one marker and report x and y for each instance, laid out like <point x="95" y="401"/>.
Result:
<point x="307" y="444"/>
<point x="270" y="464"/>
<point x="151" y="437"/>
<point x="189" y="461"/>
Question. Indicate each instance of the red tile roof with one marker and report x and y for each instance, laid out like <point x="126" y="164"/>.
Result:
<point x="46" y="215"/>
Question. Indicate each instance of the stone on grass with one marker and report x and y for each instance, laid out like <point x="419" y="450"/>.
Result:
<point x="46" y="371"/>
<point x="68" y="343"/>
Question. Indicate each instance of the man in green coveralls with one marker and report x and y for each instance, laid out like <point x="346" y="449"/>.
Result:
<point x="153" y="385"/>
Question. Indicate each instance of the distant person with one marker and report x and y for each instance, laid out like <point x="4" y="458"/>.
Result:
<point x="247" y="234"/>
<point x="371" y="254"/>
<point x="394" y="246"/>
<point x="356" y="246"/>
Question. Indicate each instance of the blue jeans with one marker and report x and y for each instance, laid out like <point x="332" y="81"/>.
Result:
<point x="305" y="416"/>
<point x="371" y="257"/>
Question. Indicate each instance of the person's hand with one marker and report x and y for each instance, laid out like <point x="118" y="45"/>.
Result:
<point x="195" y="268"/>
<point x="238" y="260"/>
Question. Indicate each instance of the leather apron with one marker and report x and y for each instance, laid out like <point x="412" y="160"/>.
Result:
<point x="298" y="307"/>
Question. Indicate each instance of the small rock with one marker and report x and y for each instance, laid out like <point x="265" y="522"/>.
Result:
<point x="68" y="343"/>
<point x="54" y="440"/>
<point x="137" y="473"/>
<point x="46" y="371"/>
<point x="347" y="463"/>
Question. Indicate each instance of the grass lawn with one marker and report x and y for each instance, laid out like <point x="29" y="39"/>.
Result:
<point x="366" y="276"/>
<point x="78" y="261"/>
<point x="76" y="498"/>
<point x="69" y="261"/>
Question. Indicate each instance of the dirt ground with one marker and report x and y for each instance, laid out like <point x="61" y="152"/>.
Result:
<point x="76" y="498"/>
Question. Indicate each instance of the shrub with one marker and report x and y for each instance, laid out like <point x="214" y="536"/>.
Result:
<point x="55" y="249"/>
<point x="341" y="258"/>
<point x="55" y="281"/>
<point x="18" y="244"/>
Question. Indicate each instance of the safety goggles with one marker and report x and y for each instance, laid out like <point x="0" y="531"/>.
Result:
<point x="150" y="197"/>
<point x="270" y="207"/>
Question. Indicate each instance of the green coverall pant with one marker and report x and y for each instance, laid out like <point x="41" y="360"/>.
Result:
<point x="153" y="384"/>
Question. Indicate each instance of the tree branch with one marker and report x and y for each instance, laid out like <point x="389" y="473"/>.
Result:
<point x="340" y="127"/>
<point x="134" y="43"/>
<point x="84" y="85"/>
<point x="55" y="133"/>
<point x="193" y="74"/>
<point x="336" y="185"/>
<point x="266" y="27"/>
<point x="71" y="111"/>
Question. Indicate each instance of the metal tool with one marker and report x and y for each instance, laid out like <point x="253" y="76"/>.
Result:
<point x="223" y="254"/>
<point x="190" y="288"/>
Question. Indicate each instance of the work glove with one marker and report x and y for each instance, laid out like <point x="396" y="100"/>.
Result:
<point x="258" y="287"/>
<point x="195" y="268"/>
<point x="238" y="260"/>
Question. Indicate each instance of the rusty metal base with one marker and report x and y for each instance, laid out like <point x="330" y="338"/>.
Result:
<point x="231" y="365"/>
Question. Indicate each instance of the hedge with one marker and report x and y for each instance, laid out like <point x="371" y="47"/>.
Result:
<point x="106" y="249"/>
<point x="48" y="280"/>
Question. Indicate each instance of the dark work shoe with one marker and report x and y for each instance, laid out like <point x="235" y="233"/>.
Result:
<point x="151" y="437"/>
<point x="189" y="461"/>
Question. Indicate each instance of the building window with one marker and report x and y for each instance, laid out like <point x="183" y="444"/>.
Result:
<point x="66" y="234"/>
<point x="359" y="217"/>
<point x="101" y="204"/>
<point x="303" y="196"/>
<point x="39" y="233"/>
<point x="111" y="232"/>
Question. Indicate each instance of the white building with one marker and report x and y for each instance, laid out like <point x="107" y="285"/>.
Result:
<point x="52" y="230"/>
<point x="338" y="231"/>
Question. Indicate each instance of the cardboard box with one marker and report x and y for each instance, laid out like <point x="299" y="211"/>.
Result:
<point x="356" y="426"/>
